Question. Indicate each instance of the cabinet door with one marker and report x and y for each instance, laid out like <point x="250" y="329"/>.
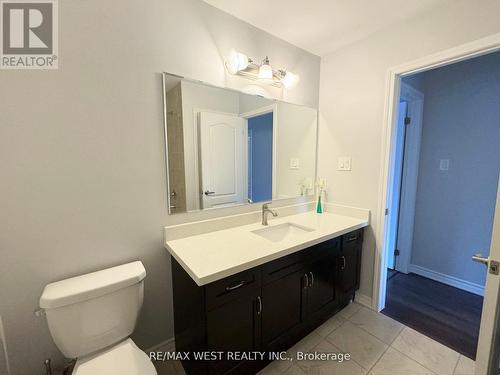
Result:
<point x="282" y="305"/>
<point x="350" y="262"/>
<point x="234" y="326"/>
<point x="321" y="290"/>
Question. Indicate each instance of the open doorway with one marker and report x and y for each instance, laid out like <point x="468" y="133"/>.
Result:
<point x="446" y="162"/>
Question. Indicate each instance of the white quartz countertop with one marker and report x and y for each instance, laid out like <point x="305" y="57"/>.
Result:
<point x="212" y="256"/>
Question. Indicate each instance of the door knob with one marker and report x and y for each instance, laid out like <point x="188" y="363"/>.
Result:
<point x="493" y="265"/>
<point x="480" y="259"/>
<point x="207" y="192"/>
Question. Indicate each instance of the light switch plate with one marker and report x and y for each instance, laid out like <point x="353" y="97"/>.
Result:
<point x="444" y="164"/>
<point x="344" y="163"/>
<point x="294" y="163"/>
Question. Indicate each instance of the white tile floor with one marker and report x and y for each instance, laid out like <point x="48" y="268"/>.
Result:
<point x="378" y="346"/>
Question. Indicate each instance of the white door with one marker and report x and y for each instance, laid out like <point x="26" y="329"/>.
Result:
<point x="222" y="149"/>
<point x="488" y="350"/>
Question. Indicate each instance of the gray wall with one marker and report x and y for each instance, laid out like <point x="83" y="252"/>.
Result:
<point x="455" y="208"/>
<point x="82" y="152"/>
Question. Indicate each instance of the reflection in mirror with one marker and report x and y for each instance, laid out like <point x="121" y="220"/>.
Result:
<point x="227" y="148"/>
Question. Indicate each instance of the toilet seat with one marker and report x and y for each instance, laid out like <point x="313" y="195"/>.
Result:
<point x="124" y="358"/>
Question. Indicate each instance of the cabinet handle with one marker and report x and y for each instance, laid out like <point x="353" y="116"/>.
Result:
<point x="342" y="267"/>
<point x="307" y="280"/>
<point x="352" y="237"/>
<point x="312" y="278"/>
<point x="259" y="305"/>
<point x="235" y="286"/>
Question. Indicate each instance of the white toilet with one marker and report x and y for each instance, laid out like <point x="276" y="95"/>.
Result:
<point x="91" y="317"/>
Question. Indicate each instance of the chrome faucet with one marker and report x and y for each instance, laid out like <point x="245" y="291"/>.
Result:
<point x="265" y="211"/>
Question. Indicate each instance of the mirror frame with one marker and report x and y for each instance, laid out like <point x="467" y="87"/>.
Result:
<point x="164" y="75"/>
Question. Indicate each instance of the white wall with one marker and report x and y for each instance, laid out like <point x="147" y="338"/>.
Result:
<point x="352" y="95"/>
<point x="455" y="208"/>
<point x="296" y="138"/>
<point x="82" y="152"/>
<point x="250" y="103"/>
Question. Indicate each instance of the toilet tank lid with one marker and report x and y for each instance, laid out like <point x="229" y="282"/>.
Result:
<point x="91" y="285"/>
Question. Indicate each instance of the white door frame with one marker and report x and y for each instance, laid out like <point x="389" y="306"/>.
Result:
<point x="466" y="51"/>
<point x="262" y="111"/>
<point x="409" y="178"/>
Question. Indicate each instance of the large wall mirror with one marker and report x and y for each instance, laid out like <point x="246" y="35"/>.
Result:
<point x="227" y="148"/>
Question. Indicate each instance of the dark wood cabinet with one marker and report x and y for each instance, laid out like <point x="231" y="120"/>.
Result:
<point x="321" y="288"/>
<point x="266" y="308"/>
<point x="234" y="326"/>
<point x="350" y="263"/>
<point x="282" y="307"/>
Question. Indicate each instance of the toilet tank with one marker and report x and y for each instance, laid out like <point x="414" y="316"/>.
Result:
<point x="90" y="312"/>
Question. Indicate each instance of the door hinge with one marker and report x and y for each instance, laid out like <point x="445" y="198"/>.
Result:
<point x="386" y="211"/>
<point x="407" y="120"/>
<point x="396" y="252"/>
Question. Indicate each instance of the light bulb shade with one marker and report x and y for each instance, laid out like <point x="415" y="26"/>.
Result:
<point x="290" y="80"/>
<point x="266" y="72"/>
<point x="236" y="62"/>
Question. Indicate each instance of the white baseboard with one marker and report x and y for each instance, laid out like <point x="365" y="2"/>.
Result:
<point x="164" y="346"/>
<point x="447" y="279"/>
<point x="364" y="300"/>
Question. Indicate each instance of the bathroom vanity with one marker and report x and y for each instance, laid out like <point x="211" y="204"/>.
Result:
<point x="239" y="290"/>
<point x="241" y="283"/>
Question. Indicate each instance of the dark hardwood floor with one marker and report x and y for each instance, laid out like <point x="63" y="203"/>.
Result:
<point x="391" y="273"/>
<point x="449" y="315"/>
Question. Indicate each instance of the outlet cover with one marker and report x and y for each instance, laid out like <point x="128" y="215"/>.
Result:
<point x="294" y="163"/>
<point x="444" y="164"/>
<point x="344" y="163"/>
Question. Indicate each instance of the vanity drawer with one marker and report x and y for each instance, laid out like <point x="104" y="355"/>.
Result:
<point x="232" y="287"/>
<point x="354" y="236"/>
<point x="328" y="248"/>
<point x="282" y="267"/>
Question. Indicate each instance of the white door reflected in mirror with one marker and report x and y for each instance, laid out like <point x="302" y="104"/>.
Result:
<point x="221" y="157"/>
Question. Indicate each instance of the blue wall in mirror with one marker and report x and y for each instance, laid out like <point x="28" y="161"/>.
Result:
<point x="260" y="157"/>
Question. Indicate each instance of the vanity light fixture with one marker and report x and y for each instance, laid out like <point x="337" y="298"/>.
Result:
<point x="237" y="61"/>
<point x="240" y="64"/>
<point x="289" y="79"/>
<point x="265" y="70"/>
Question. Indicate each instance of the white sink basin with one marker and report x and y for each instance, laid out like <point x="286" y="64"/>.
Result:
<point x="282" y="232"/>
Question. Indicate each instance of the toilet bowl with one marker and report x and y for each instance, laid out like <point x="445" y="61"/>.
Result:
<point x="91" y="317"/>
<point x="124" y="358"/>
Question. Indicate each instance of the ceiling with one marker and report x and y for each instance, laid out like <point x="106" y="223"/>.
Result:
<point x="322" y="26"/>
